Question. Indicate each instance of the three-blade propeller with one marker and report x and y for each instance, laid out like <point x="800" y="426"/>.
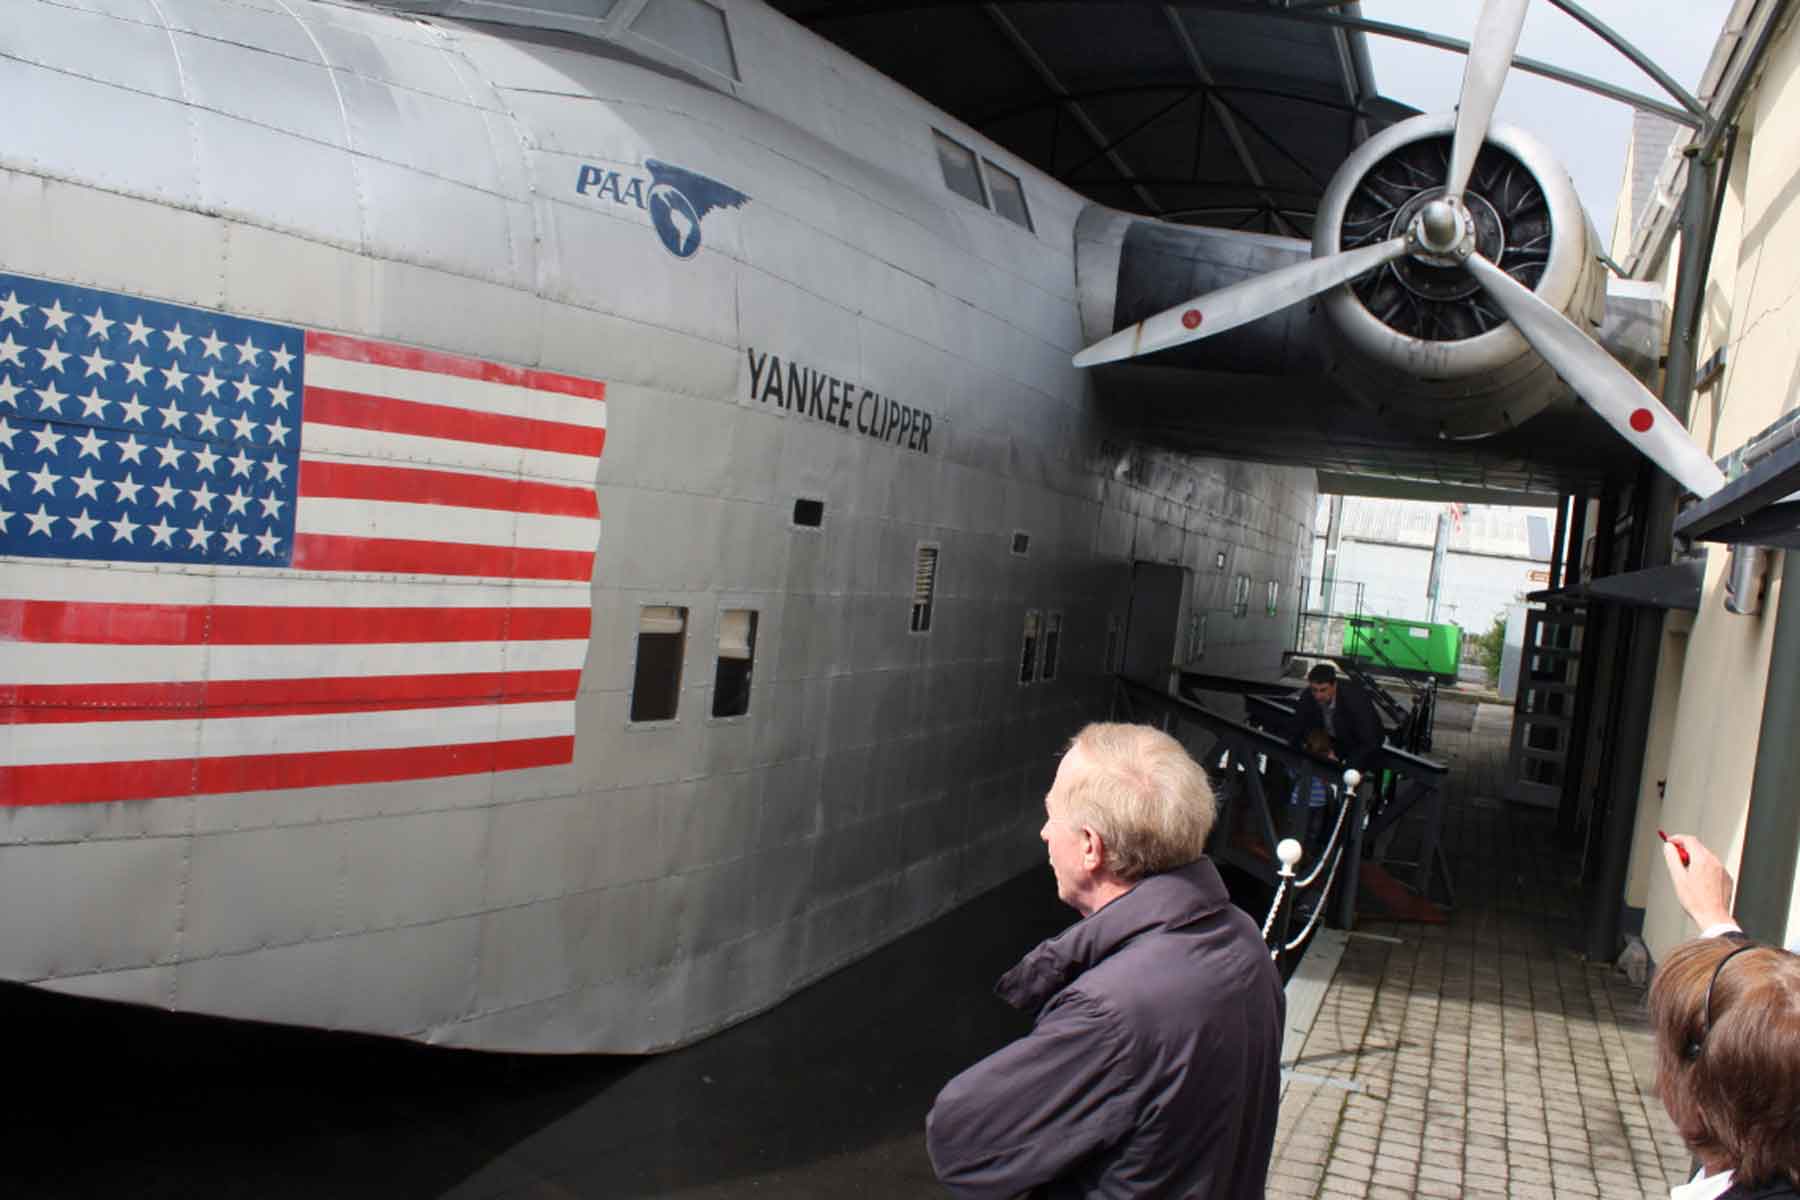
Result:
<point x="1443" y="232"/>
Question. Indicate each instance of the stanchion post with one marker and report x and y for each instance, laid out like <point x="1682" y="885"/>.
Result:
<point x="1351" y="863"/>
<point x="1289" y="852"/>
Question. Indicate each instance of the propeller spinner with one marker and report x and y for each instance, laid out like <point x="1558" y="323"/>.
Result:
<point x="1443" y="233"/>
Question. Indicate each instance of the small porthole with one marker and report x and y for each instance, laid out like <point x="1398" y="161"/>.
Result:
<point x="1021" y="545"/>
<point x="809" y="513"/>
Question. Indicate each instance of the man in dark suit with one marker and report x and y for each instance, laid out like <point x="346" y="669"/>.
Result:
<point x="1342" y="709"/>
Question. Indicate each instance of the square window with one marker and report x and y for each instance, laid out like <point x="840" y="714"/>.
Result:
<point x="960" y="172"/>
<point x="691" y="28"/>
<point x="661" y="646"/>
<point x="1008" y="194"/>
<point x="1021" y="543"/>
<point x="809" y="513"/>
<point x="737" y="654"/>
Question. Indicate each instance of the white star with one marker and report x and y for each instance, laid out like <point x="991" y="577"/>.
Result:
<point x="198" y="536"/>
<point x="205" y="459"/>
<point x="93" y="404"/>
<point x="136" y="369"/>
<point x="246" y="428"/>
<point x="210" y="383"/>
<point x="130" y="450"/>
<point x="124" y="528"/>
<point x="234" y="541"/>
<point x="87" y="485"/>
<point x="165" y="493"/>
<point x="203" y="496"/>
<point x="10" y="351"/>
<point x="241" y="464"/>
<point x="282" y="357"/>
<point x="278" y="395"/>
<point x="99" y="325"/>
<point x="237" y="500"/>
<point x="271" y="506"/>
<point x="246" y="391"/>
<point x="265" y="542"/>
<point x="84" y="525"/>
<point x="275" y="469"/>
<point x="52" y="355"/>
<point x="248" y="351"/>
<point x="128" y="488"/>
<point x="9" y="392"/>
<point x="171" y="456"/>
<point x="90" y="443"/>
<point x="171" y="414"/>
<point x="277" y="432"/>
<point x="48" y="439"/>
<point x="56" y="316"/>
<point x="7" y="433"/>
<point x="140" y="332"/>
<point x="11" y="309"/>
<point x="213" y="343"/>
<point x="50" y="398"/>
<point x="41" y="520"/>
<point x="174" y="376"/>
<point x="6" y="476"/>
<point x="97" y="363"/>
<point x="134" y="409"/>
<point x="161" y="532"/>
<point x="209" y="421"/>
<point x="43" y="480"/>
<point x="177" y="340"/>
<point x="5" y="516"/>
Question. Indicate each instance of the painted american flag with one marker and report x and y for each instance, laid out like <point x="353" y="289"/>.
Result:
<point x="237" y="555"/>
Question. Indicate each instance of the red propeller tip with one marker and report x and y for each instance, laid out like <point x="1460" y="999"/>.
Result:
<point x="1191" y="318"/>
<point x="1642" y="420"/>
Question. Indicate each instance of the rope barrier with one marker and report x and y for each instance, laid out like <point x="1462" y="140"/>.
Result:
<point x="1318" y="909"/>
<point x="1275" y="908"/>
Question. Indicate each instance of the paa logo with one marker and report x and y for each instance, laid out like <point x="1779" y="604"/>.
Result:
<point x="677" y="199"/>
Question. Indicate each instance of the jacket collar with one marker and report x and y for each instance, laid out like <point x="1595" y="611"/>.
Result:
<point x="1166" y="900"/>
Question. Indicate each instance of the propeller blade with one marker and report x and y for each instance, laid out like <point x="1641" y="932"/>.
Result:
<point x="1240" y="303"/>
<point x="1484" y="74"/>
<point x="1605" y="386"/>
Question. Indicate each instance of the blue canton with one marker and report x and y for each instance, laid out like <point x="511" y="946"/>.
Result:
<point x="136" y="431"/>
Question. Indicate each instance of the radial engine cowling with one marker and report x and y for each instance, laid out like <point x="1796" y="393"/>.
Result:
<point x="1422" y="342"/>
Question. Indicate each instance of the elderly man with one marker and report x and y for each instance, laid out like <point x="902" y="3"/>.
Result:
<point x="1153" y="1068"/>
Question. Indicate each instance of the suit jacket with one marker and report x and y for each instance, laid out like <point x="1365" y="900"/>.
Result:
<point x="1359" y="735"/>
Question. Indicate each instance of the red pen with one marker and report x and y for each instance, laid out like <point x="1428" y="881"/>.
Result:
<point x="1680" y="850"/>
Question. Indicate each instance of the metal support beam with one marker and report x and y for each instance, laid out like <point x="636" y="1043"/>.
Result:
<point x="1586" y="736"/>
<point x="1638" y="58"/>
<point x="1556" y="546"/>
<point x="1772" y="828"/>
<point x="1637" y="683"/>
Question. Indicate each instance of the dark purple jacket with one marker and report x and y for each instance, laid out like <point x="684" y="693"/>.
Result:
<point x="1153" y="1069"/>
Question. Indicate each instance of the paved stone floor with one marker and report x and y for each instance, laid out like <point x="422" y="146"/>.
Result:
<point x="1480" y="1057"/>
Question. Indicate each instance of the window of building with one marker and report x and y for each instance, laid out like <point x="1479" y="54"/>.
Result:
<point x="961" y="174"/>
<point x="1274" y="596"/>
<point x="809" y="513"/>
<point x="737" y="654"/>
<point x="1008" y="194"/>
<point x="1052" y="645"/>
<point x="1240" y="596"/>
<point x="1028" y="651"/>
<point x="924" y="588"/>
<point x="1021" y="544"/>
<point x="661" y="646"/>
<point x="691" y="28"/>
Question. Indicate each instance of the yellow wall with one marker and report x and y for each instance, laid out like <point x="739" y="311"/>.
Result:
<point x="1752" y="302"/>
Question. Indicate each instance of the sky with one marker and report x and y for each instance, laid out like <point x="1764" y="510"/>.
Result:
<point x="1588" y="133"/>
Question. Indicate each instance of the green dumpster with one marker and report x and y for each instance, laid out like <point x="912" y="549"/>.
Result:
<point x="1405" y="647"/>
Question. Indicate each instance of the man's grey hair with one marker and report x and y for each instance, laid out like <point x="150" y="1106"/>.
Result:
<point x="1149" y="801"/>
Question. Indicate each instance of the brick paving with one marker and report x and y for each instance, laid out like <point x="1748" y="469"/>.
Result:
<point x="1482" y="1057"/>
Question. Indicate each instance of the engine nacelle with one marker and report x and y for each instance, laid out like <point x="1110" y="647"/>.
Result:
<point x="1423" y="343"/>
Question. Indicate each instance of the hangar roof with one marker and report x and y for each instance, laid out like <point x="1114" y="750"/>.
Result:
<point x="1195" y="114"/>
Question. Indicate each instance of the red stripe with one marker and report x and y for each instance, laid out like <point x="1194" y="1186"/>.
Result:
<point x="360" y="481"/>
<point x="358" y="410"/>
<point x="59" y="704"/>
<point x="334" y="552"/>
<point x="273" y="625"/>
<point x="94" y="783"/>
<point x="332" y="345"/>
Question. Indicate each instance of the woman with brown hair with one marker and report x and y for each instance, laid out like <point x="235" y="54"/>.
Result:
<point x="1725" y="1013"/>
